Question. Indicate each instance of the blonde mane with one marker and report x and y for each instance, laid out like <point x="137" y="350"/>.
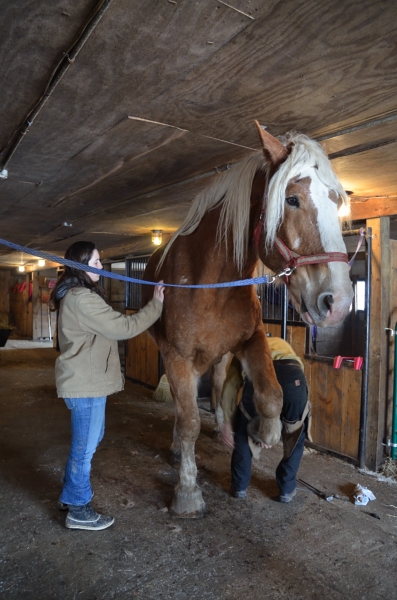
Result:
<point x="232" y="191"/>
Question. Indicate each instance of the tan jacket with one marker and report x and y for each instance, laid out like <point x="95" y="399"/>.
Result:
<point x="88" y="330"/>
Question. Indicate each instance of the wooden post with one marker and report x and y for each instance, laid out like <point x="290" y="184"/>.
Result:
<point x="391" y="340"/>
<point x="378" y="342"/>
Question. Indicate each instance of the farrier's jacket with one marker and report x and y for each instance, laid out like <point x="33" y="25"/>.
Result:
<point x="88" y="330"/>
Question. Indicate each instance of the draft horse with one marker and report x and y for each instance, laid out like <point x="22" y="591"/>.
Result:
<point x="279" y="206"/>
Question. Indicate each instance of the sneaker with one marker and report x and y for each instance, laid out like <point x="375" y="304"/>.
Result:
<point x="242" y="494"/>
<point x="85" y="517"/>
<point x="285" y="498"/>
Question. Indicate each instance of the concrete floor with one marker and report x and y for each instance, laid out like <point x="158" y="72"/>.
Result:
<point x="258" y="548"/>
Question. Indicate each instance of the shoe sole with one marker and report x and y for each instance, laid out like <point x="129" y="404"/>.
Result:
<point x="92" y="526"/>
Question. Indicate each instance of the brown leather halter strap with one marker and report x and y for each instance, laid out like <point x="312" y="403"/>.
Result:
<point x="296" y="260"/>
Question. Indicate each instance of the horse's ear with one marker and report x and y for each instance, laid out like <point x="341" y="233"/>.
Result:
<point x="274" y="151"/>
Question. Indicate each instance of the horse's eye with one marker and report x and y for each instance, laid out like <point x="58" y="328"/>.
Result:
<point x="293" y="201"/>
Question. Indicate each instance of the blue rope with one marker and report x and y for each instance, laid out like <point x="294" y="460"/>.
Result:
<point x="102" y="273"/>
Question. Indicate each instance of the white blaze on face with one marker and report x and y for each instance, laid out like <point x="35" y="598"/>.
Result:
<point x="296" y="243"/>
<point x="332" y="241"/>
<point x="327" y="214"/>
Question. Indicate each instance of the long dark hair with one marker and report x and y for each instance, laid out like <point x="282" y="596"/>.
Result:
<point x="72" y="277"/>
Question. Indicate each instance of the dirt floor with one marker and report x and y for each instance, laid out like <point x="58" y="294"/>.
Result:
<point x="255" y="549"/>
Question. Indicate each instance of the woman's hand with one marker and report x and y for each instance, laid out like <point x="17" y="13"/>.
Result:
<point x="159" y="291"/>
<point x="227" y="435"/>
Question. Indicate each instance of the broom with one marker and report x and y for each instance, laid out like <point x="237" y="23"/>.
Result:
<point x="162" y="393"/>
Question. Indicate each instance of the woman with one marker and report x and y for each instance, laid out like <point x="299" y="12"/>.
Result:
<point x="88" y="370"/>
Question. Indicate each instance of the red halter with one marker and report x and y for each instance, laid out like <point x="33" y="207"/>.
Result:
<point x="296" y="260"/>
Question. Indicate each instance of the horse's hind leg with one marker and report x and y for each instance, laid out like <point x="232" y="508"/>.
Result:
<point x="188" y="499"/>
<point x="218" y="376"/>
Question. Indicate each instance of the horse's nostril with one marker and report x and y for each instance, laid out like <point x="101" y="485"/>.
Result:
<point x="324" y="303"/>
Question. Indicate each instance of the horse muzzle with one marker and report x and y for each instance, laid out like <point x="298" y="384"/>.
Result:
<point x="328" y="310"/>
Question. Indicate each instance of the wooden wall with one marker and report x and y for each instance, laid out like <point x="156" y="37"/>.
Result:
<point x="5" y="283"/>
<point x="21" y="310"/>
<point x="142" y="359"/>
<point x="335" y="395"/>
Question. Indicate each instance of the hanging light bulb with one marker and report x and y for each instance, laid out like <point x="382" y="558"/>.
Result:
<point x="157" y="237"/>
<point x="41" y="262"/>
<point x="21" y="268"/>
<point x="344" y="209"/>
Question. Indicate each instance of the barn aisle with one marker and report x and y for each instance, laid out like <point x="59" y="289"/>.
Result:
<point x="257" y="548"/>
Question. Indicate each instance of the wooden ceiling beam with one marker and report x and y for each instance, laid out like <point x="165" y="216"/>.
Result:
<point x="373" y="208"/>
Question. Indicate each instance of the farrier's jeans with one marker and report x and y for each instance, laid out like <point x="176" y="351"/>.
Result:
<point x="88" y="427"/>
<point x="294" y="402"/>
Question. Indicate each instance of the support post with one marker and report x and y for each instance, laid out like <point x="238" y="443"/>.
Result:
<point x="378" y="342"/>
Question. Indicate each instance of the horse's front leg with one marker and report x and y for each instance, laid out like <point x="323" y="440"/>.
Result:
<point x="268" y="395"/>
<point x="218" y="376"/>
<point x="188" y="499"/>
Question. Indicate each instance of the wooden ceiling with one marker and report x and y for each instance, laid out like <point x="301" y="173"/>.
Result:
<point x="160" y="94"/>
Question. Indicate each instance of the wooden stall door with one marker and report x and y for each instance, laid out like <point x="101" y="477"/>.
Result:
<point x="142" y="359"/>
<point x="335" y="395"/>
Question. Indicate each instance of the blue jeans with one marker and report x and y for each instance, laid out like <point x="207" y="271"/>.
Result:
<point x="294" y="402"/>
<point x="88" y="427"/>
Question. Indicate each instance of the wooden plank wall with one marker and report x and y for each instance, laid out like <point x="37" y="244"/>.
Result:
<point x="142" y="359"/>
<point x="5" y="283"/>
<point x="21" y="311"/>
<point x="335" y="395"/>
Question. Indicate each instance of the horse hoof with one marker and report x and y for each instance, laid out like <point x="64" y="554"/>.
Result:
<point x="188" y="505"/>
<point x="267" y="431"/>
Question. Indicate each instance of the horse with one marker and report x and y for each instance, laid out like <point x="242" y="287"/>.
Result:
<point x="279" y="206"/>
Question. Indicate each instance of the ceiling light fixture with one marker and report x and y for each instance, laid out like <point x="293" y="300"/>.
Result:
<point x="41" y="262"/>
<point x="157" y="237"/>
<point x="344" y="209"/>
<point x="21" y="268"/>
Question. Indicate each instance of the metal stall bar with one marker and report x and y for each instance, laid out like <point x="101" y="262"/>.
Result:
<point x="394" y="420"/>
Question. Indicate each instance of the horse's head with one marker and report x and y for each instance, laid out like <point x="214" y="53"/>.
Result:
<point x="301" y="220"/>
